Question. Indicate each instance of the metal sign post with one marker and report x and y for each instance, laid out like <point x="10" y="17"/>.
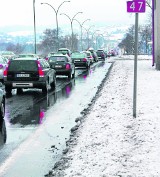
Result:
<point x="135" y="67"/>
<point x="135" y="6"/>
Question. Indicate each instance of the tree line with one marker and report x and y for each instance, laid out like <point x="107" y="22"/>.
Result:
<point x="145" y="37"/>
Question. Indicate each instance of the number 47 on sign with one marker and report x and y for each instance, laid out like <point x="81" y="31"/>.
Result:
<point x="136" y="6"/>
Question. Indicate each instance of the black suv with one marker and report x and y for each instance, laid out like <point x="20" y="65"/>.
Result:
<point x="101" y="54"/>
<point x="29" y="73"/>
<point x="62" y="64"/>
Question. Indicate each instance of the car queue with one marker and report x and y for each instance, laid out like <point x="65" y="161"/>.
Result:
<point x="32" y="71"/>
<point x="22" y="72"/>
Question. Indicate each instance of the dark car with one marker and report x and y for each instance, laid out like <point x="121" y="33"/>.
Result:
<point x="101" y="54"/>
<point x="24" y="73"/>
<point x="62" y="64"/>
<point x="80" y="59"/>
<point x="3" y="133"/>
<point x="65" y="51"/>
<point x="112" y="53"/>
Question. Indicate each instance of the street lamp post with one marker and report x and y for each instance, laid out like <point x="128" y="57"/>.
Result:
<point x="88" y="33"/>
<point x="71" y="20"/>
<point x="102" y="37"/>
<point x="34" y="17"/>
<point x="94" y="34"/>
<point x="56" y="12"/>
<point x="81" y="25"/>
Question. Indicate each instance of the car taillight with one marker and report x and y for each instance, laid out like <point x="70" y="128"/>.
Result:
<point x="84" y="59"/>
<point x="68" y="66"/>
<point x="102" y="54"/>
<point x="5" y="72"/>
<point x="40" y="71"/>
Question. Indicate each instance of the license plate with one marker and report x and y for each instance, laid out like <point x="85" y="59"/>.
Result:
<point x="58" y="66"/>
<point x="77" y="60"/>
<point x="22" y="75"/>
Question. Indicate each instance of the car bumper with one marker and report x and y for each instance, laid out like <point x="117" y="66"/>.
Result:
<point x="82" y="64"/>
<point x="22" y="84"/>
<point x="62" y="71"/>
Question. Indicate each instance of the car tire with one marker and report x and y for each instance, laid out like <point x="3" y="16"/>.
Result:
<point x="8" y="89"/>
<point x="88" y="66"/>
<point x="2" y="109"/>
<point x="45" y="88"/>
<point x="70" y="75"/>
<point x="3" y="131"/>
<point x="53" y="84"/>
<point x="19" y="90"/>
<point x="73" y="75"/>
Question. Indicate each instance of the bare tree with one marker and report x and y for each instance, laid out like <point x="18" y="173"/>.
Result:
<point x="145" y="37"/>
<point x="128" y="42"/>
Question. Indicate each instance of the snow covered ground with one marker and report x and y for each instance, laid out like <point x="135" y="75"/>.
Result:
<point x="110" y="142"/>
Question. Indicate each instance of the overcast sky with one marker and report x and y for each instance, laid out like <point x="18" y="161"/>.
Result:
<point x="20" y="12"/>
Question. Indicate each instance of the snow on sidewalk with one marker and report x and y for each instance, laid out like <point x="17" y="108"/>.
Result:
<point x="110" y="142"/>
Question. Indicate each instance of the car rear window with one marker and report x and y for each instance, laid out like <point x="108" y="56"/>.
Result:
<point x="23" y="65"/>
<point x="63" y="51"/>
<point x="78" y="55"/>
<point x="26" y="55"/>
<point x="58" y="58"/>
<point x="99" y="52"/>
<point x="88" y="54"/>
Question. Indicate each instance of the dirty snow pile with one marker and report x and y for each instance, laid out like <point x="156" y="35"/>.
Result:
<point x="110" y="142"/>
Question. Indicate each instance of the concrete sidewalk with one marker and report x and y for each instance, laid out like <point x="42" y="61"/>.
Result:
<point x="109" y="142"/>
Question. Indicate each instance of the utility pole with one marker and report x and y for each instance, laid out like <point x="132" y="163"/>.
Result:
<point x="34" y="17"/>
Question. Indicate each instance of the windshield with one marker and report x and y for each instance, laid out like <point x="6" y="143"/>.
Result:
<point x="78" y="55"/>
<point x="63" y="51"/>
<point x="58" y="58"/>
<point x="26" y="55"/>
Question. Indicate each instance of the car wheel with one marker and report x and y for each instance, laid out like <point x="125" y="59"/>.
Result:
<point x="8" y="89"/>
<point x="88" y="66"/>
<point x="19" y="90"/>
<point x="45" y="88"/>
<point x="2" y="109"/>
<point x="73" y="75"/>
<point x="53" y="84"/>
<point x="70" y="75"/>
<point x="3" y="131"/>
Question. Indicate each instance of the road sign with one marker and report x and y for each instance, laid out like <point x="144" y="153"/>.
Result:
<point x="136" y="6"/>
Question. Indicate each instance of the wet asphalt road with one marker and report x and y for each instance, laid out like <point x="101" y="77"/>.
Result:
<point x="38" y="125"/>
